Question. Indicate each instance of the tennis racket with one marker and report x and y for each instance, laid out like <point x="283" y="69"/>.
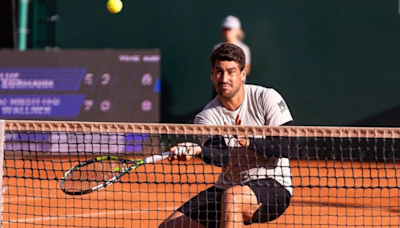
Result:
<point x="100" y="172"/>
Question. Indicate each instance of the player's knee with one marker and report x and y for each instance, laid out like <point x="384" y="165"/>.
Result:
<point x="233" y="202"/>
<point x="229" y="198"/>
<point x="237" y="194"/>
<point x="239" y="199"/>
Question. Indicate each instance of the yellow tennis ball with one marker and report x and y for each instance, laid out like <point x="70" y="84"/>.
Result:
<point x="114" y="6"/>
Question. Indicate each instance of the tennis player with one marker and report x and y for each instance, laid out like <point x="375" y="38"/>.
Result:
<point x="255" y="184"/>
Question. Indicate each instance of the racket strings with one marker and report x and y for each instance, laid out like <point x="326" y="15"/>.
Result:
<point x="91" y="175"/>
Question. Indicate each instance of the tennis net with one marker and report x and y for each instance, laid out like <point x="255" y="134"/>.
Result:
<point x="340" y="177"/>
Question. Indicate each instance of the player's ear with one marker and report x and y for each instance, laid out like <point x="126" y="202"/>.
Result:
<point x="211" y="75"/>
<point x="243" y="75"/>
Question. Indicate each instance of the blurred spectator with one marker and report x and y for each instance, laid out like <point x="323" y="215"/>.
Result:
<point x="231" y="32"/>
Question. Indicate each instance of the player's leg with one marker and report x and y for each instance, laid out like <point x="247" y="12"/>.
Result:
<point x="202" y="211"/>
<point x="239" y="203"/>
<point x="259" y="201"/>
<point x="272" y="196"/>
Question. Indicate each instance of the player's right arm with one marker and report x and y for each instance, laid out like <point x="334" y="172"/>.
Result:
<point x="213" y="150"/>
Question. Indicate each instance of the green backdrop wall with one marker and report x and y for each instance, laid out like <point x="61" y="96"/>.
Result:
<point x="336" y="62"/>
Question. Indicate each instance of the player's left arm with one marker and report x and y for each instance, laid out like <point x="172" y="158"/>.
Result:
<point x="277" y="113"/>
<point x="274" y="146"/>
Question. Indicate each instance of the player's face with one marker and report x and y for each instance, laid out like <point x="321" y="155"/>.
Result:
<point x="227" y="78"/>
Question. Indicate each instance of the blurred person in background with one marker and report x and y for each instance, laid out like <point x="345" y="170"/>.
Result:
<point x="231" y="32"/>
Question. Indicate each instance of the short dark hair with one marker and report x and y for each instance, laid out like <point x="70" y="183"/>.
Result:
<point x="228" y="52"/>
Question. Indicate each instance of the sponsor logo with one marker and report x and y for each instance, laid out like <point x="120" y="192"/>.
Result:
<point x="282" y="106"/>
<point x="129" y="58"/>
<point x="147" y="80"/>
<point x="151" y="58"/>
<point x="147" y="105"/>
<point x="138" y="58"/>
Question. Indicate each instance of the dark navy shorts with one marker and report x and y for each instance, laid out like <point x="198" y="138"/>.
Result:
<point x="206" y="206"/>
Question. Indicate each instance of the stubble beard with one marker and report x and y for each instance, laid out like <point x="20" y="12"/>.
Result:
<point x="228" y="94"/>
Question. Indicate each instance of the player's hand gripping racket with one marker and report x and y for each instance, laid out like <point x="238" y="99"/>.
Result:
<point x="100" y="172"/>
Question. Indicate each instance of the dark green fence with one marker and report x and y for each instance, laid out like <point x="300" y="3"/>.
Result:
<point x="336" y="62"/>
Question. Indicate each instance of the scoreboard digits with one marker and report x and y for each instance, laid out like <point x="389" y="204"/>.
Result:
<point x="112" y="86"/>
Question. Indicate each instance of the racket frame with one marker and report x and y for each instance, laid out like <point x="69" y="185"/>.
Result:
<point x="136" y="163"/>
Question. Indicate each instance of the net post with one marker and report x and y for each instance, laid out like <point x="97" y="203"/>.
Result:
<point x="2" y="139"/>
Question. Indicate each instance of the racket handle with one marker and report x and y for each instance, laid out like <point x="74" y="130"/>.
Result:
<point x="157" y="158"/>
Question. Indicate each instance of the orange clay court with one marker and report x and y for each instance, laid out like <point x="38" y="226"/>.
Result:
<point x="326" y="194"/>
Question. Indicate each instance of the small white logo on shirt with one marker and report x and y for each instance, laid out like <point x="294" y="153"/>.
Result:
<point x="282" y="106"/>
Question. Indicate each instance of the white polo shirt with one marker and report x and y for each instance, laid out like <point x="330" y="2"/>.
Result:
<point x="261" y="107"/>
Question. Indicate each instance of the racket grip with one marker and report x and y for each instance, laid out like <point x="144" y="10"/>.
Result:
<point x="157" y="158"/>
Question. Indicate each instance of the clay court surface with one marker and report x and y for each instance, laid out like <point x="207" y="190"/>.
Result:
<point x="327" y="194"/>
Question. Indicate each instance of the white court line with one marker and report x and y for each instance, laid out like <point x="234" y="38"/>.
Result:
<point x="87" y="215"/>
<point x="28" y="198"/>
<point x="21" y="199"/>
<point x="50" y="197"/>
<point x="35" y="198"/>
